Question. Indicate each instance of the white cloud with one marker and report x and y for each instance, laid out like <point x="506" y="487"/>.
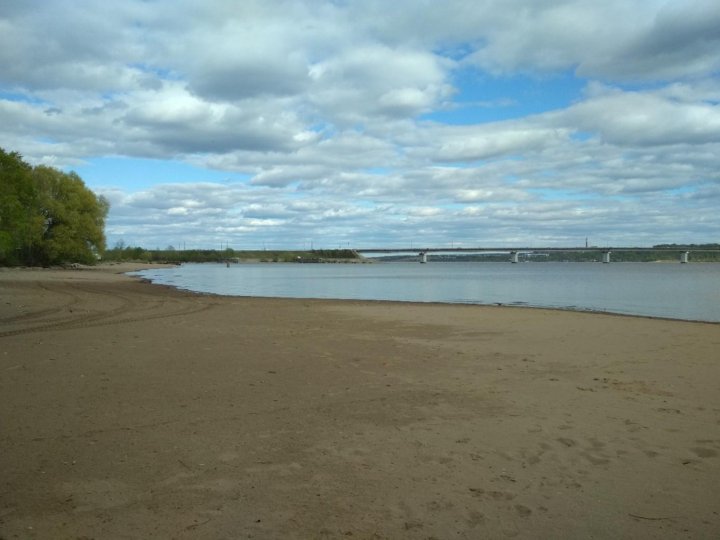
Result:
<point x="494" y="140"/>
<point x="614" y="39"/>
<point x="321" y="104"/>
<point x="352" y="87"/>
<point x="646" y="118"/>
<point x="285" y="175"/>
<point x="243" y="60"/>
<point x="678" y="40"/>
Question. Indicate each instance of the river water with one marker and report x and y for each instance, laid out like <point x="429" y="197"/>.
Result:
<point x="674" y="290"/>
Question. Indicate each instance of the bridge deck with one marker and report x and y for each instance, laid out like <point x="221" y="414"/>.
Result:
<point x="530" y="249"/>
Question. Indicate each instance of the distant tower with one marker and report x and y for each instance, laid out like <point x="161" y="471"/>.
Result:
<point x="586" y="244"/>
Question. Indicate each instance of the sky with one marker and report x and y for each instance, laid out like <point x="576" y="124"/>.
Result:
<point x="343" y="123"/>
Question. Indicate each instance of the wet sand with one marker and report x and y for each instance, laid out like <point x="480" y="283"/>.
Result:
<point x="129" y="410"/>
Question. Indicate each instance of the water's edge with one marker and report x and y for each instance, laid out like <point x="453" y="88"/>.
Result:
<point x="210" y="281"/>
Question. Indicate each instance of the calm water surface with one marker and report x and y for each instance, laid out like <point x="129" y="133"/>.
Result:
<point x="680" y="291"/>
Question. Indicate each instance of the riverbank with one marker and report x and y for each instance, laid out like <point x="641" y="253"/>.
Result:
<point x="130" y="410"/>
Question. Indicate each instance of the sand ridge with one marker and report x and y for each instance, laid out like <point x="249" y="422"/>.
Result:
<point x="129" y="410"/>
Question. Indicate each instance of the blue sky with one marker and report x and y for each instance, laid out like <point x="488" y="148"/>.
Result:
<point x="283" y="123"/>
<point x="143" y="173"/>
<point x="483" y="97"/>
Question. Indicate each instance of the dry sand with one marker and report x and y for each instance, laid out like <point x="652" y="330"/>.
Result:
<point x="130" y="410"/>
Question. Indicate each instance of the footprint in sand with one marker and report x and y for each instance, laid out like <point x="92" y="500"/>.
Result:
<point x="704" y="452"/>
<point x="495" y="495"/>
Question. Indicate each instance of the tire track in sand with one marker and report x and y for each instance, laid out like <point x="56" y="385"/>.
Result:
<point x="43" y="313"/>
<point x="150" y="309"/>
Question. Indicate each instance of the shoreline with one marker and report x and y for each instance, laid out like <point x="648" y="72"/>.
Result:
<point x="587" y="311"/>
<point x="131" y="410"/>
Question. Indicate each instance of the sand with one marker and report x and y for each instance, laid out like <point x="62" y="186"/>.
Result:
<point x="130" y="410"/>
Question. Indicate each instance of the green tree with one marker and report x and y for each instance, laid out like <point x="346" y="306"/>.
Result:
<point x="20" y="225"/>
<point x="74" y="217"/>
<point x="47" y="216"/>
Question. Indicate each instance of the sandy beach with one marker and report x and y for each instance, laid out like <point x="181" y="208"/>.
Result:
<point x="129" y="410"/>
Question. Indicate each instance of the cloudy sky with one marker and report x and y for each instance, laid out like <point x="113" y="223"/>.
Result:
<point x="369" y="123"/>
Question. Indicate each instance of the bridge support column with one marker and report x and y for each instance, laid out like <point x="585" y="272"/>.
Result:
<point x="514" y="257"/>
<point x="684" y="257"/>
<point x="606" y="256"/>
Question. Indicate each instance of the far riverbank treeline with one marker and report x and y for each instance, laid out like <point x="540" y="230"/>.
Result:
<point x="47" y="217"/>
<point x="664" y="253"/>
<point x="171" y="255"/>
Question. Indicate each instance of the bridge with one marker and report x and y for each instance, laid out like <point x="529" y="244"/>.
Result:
<point x="515" y="252"/>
